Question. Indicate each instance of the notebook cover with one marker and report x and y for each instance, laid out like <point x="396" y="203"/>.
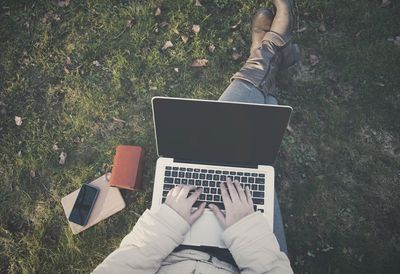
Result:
<point x="127" y="167"/>
<point x="109" y="201"/>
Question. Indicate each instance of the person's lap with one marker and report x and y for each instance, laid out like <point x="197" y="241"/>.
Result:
<point x="241" y="91"/>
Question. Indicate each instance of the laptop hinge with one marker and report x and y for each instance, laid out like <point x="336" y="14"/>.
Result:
<point x="216" y="163"/>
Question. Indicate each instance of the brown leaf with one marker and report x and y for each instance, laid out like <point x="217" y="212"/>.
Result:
<point x="195" y="29"/>
<point x="118" y="120"/>
<point x="18" y="120"/>
<point x="63" y="157"/>
<point x="163" y="24"/>
<point x="158" y="11"/>
<point x="397" y="41"/>
<point x="385" y="3"/>
<point x="314" y="59"/>
<point x="130" y="23"/>
<point x="167" y="45"/>
<point x="198" y="63"/>
<point x="184" y="39"/>
<point x="322" y="27"/>
<point x="332" y="76"/>
<point x="300" y="30"/>
<point x="236" y="26"/>
<point x="236" y="55"/>
<point x="198" y="4"/>
<point x="211" y="48"/>
<point x="33" y="173"/>
<point x="61" y="3"/>
<point x="68" y="60"/>
<point x="66" y="70"/>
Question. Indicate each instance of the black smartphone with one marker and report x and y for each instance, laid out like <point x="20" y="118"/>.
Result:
<point x="84" y="204"/>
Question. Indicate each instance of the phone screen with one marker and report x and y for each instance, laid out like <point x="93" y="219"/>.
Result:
<point x="83" y="205"/>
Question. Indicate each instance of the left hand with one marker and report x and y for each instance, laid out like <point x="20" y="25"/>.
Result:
<point x="178" y="200"/>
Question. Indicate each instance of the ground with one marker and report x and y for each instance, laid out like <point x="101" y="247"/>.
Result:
<point x="79" y="75"/>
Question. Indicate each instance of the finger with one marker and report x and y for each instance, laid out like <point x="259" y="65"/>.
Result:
<point x="225" y="195"/>
<point x="175" y="191"/>
<point x="233" y="193"/>
<point x="240" y="191"/>
<point x="192" y="198"/>
<point x="249" y="199"/>
<point x="184" y="192"/>
<point x="197" y="213"/>
<point x="218" y="213"/>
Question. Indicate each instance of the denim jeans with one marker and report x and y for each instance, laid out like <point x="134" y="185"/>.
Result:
<point x="241" y="91"/>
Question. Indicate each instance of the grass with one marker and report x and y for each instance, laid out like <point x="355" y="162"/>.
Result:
<point x="73" y="73"/>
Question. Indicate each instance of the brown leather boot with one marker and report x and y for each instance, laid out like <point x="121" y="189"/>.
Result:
<point x="260" y="25"/>
<point x="264" y="61"/>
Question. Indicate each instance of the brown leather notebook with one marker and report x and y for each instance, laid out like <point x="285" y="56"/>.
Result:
<point x="127" y="167"/>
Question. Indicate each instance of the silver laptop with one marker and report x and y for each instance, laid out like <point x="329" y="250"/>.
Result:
<point x="202" y="143"/>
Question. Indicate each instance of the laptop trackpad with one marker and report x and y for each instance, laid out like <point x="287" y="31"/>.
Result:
<point x="205" y="231"/>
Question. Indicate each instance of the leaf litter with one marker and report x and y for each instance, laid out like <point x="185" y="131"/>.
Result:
<point x="198" y="63"/>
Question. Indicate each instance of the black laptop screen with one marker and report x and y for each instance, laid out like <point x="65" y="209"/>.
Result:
<point x="216" y="132"/>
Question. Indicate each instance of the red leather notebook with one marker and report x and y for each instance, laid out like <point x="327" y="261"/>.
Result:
<point x="127" y="168"/>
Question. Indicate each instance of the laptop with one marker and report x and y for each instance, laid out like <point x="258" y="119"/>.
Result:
<point x="204" y="142"/>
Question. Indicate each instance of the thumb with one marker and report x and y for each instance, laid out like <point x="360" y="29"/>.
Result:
<point x="218" y="213"/>
<point x="197" y="213"/>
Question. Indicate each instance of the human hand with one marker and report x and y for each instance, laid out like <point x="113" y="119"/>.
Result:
<point x="178" y="200"/>
<point x="238" y="203"/>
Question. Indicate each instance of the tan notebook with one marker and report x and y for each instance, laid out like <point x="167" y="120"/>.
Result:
<point x="108" y="202"/>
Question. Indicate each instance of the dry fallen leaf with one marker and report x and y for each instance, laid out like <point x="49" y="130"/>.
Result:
<point x="184" y="38"/>
<point x="195" y="28"/>
<point x="61" y="3"/>
<point x="66" y="70"/>
<point x="63" y="156"/>
<point x="167" y="45"/>
<point x="236" y="26"/>
<point x="18" y="120"/>
<point x="211" y="48"/>
<point x="385" y="3"/>
<point x="55" y="147"/>
<point x="198" y="63"/>
<point x="158" y="12"/>
<point x="314" y="59"/>
<point x="300" y="30"/>
<point x="397" y="41"/>
<point x="198" y="4"/>
<point x="322" y="27"/>
<point x="68" y="60"/>
<point x="332" y="76"/>
<point x="163" y="24"/>
<point x="96" y="63"/>
<point x="236" y="55"/>
<point x="130" y="23"/>
<point x="176" y="70"/>
<point x="33" y="173"/>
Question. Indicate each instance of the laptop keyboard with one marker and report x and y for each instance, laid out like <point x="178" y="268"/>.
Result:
<point x="210" y="181"/>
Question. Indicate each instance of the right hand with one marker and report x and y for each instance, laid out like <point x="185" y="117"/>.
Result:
<point x="238" y="203"/>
